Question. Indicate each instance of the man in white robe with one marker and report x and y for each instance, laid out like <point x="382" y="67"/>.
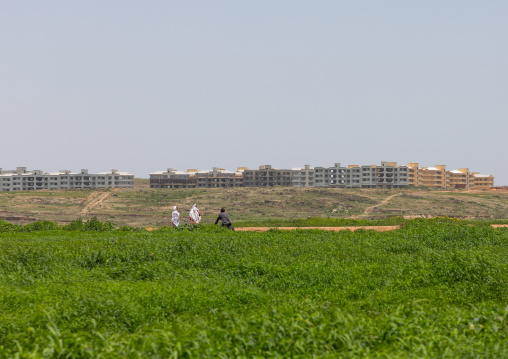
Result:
<point x="175" y="217"/>
<point x="195" y="215"/>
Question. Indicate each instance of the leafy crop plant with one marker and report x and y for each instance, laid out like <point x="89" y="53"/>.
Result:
<point x="435" y="288"/>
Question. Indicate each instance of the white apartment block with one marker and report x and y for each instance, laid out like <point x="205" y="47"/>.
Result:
<point x="23" y="180"/>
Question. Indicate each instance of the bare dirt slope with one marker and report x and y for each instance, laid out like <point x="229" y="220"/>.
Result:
<point x="385" y="201"/>
<point x="143" y="206"/>
<point x="94" y="201"/>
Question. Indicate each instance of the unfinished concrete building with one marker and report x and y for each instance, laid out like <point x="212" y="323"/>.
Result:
<point x="172" y="179"/>
<point x="266" y="176"/>
<point x="218" y="177"/>
<point x="23" y="180"/>
<point x="302" y="176"/>
<point x="387" y="175"/>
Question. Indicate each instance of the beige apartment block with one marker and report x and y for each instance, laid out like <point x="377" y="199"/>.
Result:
<point x="461" y="178"/>
<point x="482" y="181"/>
<point x="413" y="179"/>
<point x="434" y="177"/>
<point x="439" y="177"/>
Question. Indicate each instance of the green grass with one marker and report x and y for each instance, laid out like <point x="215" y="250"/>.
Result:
<point x="432" y="289"/>
<point x="347" y="222"/>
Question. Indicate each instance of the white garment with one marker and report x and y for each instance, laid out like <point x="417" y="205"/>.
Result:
<point x="175" y="217"/>
<point x="194" y="214"/>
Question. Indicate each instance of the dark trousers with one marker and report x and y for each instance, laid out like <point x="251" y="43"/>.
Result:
<point x="229" y="226"/>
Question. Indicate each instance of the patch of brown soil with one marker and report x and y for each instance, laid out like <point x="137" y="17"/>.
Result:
<point x="94" y="200"/>
<point x="335" y="229"/>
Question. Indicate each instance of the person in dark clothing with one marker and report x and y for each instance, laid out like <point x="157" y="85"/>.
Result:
<point x="224" y="217"/>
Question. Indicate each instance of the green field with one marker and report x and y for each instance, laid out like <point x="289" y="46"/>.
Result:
<point x="435" y="288"/>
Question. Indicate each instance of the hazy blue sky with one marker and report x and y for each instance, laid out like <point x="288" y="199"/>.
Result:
<point x="145" y="85"/>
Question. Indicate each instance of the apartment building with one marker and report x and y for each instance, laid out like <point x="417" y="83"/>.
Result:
<point x="172" y="179"/>
<point x="439" y="177"/>
<point x="23" y="180"/>
<point x="302" y="176"/>
<point x="482" y="181"/>
<point x="435" y="177"/>
<point x="461" y="178"/>
<point x="266" y="176"/>
<point x="218" y="177"/>
<point x="387" y="175"/>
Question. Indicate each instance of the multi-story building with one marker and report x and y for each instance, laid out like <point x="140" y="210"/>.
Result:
<point x="461" y="178"/>
<point x="482" y="181"/>
<point x="23" y="180"/>
<point x="387" y="175"/>
<point x="302" y="176"/>
<point x="439" y="177"/>
<point x="218" y="177"/>
<point x="172" y="179"/>
<point x="266" y="176"/>
<point x="336" y="176"/>
<point x="435" y="177"/>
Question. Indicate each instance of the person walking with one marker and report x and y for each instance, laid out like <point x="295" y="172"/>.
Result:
<point x="224" y="217"/>
<point x="175" y="217"/>
<point x="195" y="215"/>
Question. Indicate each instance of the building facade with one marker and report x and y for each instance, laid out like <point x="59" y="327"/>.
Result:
<point x="23" y="180"/>
<point x="266" y="176"/>
<point x="302" y="176"/>
<point x="482" y="181"/>
<point x="219" y="177"/>
<point x="439" y="177"/>
<point x="387" y="175"/>
<point x="461" y="179"/>
<point x="172" y="179"/>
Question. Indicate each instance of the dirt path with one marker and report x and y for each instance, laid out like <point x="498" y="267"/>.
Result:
<point x="382" y="203"/>
<point x="95" y="199"/>
<point x="335" y="229"/>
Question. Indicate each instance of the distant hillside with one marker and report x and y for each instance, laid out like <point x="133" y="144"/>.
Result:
<point x="142" y="206"/>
